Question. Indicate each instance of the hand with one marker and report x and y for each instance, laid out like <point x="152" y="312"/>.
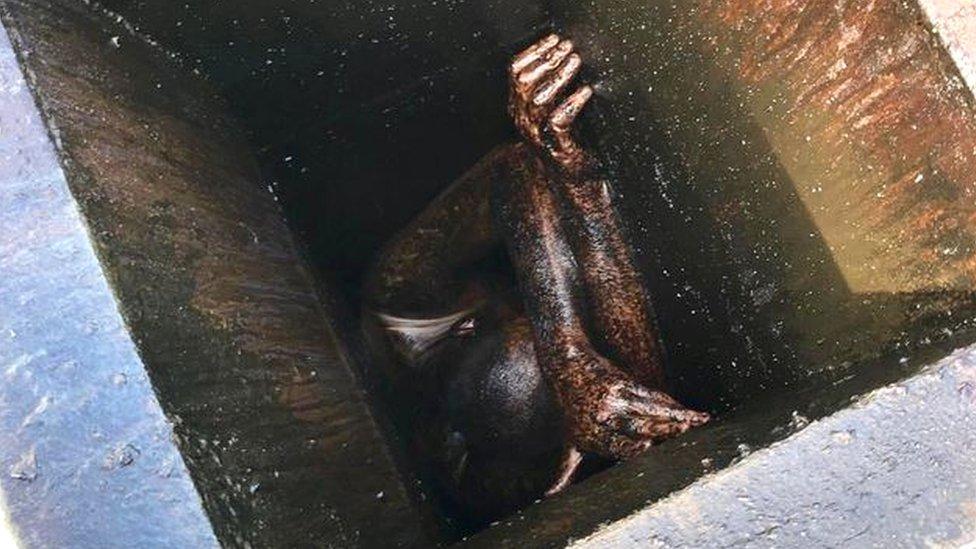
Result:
<point x="537" y="78"/>
<point x="612" y="415"/>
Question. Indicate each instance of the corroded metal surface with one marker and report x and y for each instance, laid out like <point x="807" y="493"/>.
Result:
<point x="271" y="423"/>
<point x="86" y="454"/>
<point x="868" y="117"/>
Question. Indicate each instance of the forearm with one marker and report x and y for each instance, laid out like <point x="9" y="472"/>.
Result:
<point x="618" y="300"/>
<point x="527" y="214"/>
<point x="607" y="411"/>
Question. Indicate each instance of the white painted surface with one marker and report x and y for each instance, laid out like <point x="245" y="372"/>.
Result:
<point x="955" y="21"/>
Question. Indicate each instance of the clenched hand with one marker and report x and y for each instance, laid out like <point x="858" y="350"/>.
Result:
<point x="538" y="78"/>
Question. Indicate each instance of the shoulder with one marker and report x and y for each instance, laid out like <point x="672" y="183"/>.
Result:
<point x="513" y="158"/>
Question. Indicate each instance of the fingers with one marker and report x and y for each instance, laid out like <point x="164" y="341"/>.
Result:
<point x="635" y="391"/>
<point x="562" y="117"/>
<point x="644" y="415"/>
<point x="567" y="468"/>
<point x="539" y="76"/>
<point x="646" y="431"/>
<point x="670" y="411"/>
<point x="626" y="447"/>
<point x="694" y="419"/>
<point x="533" y="52"/>
<point x="542" y="67"/>
<point x="631" y="427"/>
<point x="662" y="424"/>
<point x="642" y="408"/>
<point x="548" y="91"/>
<point x="567" y="152"/>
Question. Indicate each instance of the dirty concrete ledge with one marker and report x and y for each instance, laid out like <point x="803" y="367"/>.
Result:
<point x="897" y="469"/>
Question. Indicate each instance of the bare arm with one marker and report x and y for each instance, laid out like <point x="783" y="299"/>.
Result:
<point x="618" y="303"/>
<point x="416" y="272"/>
<point x="608" y="411"/>
<point x="617" y="299"/>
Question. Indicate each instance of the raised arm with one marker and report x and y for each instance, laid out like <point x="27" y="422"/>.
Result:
<point x="616" y="298"/>
<point x="608" y="411"/>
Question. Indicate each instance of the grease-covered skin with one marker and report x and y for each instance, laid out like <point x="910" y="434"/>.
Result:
<point x="545" y="199"/>
<point x="608" y="412"/>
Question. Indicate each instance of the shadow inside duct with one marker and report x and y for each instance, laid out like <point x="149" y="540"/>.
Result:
<point x="360" y="114"/>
